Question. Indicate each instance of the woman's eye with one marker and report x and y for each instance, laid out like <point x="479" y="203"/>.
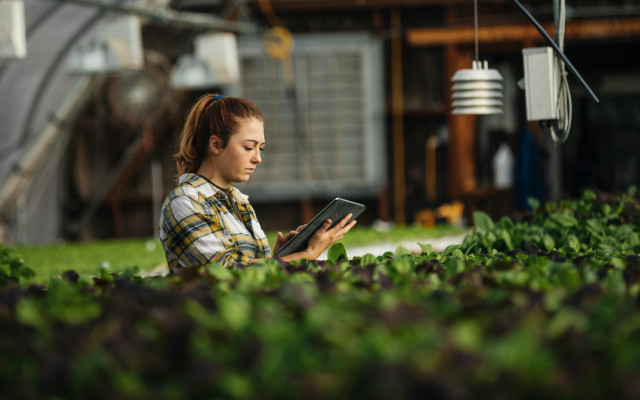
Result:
<point x="261" y="149"/>
<point x="248" y="148"/>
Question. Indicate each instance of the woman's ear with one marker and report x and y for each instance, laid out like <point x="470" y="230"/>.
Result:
<point x="215" y="144"/>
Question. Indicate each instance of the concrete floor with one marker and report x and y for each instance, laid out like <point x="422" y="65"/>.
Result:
<point x="378" y="249"/>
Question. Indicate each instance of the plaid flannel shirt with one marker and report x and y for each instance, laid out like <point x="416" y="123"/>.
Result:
<point x="198" y="226"/>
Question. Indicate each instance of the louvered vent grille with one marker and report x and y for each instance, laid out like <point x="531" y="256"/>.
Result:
<point x="333" y="145"/>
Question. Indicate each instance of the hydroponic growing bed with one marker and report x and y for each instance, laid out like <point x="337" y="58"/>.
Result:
<point x="545" y="305"/>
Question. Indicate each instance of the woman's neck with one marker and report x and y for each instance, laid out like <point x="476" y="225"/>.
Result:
<point x="206" y="170"/>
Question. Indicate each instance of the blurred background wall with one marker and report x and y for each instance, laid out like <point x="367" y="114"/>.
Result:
<point x="356" y="95"/>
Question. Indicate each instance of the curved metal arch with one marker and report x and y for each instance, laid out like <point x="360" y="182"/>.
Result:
<point x="48" y="13"/>
<point x="45" y="81"/>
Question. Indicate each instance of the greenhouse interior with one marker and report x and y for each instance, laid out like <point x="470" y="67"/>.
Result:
<point x="365" y="114"/>
<point x="491" y="148"/>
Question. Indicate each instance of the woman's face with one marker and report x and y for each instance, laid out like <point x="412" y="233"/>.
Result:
<point x="237" y="161"/>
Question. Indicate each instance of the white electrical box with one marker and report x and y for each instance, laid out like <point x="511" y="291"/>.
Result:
<point x="541" y="83"/>
<point x="13" y="40"/>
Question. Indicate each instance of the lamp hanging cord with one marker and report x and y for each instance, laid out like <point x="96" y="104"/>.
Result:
<point x="475" y="26"/>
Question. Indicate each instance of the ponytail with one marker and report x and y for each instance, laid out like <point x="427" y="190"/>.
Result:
<point x="212" y="114"/>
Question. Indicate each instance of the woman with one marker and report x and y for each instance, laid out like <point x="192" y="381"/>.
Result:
<point x="205" y="219"/>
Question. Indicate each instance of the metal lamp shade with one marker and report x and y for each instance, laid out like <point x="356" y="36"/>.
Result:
<point x="116" y="47"/>
<point x="477" y="90"/>
<point x="192" y="72"/>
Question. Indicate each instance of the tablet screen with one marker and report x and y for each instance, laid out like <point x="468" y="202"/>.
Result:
<point x="335" y="211"/>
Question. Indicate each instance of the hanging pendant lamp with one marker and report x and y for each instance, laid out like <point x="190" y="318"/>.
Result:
<point x="477" y="90"/>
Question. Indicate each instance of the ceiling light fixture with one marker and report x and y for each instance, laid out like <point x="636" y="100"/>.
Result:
<point x="115" y="47"/>
<point x="214" y="62"/>
<point x="13" y="42"/>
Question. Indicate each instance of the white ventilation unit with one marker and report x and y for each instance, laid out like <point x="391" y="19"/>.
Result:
<point x="13" y="41"/>
<point x="214" y="63"/>
<point x="325" y="134"/>
<point x="116" y="46"/>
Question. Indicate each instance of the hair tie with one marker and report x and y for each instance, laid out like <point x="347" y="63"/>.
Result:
<point x="217" y="97"/>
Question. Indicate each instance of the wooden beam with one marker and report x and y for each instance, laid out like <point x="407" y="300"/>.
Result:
<point x="462" y="168"/>
<point x="141" y="151"/>
<point x="574" y="30"/>
<point x="397" y="110"/>
<point x="315" y="5"/>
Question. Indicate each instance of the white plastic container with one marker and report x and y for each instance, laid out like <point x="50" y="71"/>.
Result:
<point x="503" y="165"/>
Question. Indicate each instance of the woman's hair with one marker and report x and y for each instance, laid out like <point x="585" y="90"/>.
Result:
<point x="211" y="115"/>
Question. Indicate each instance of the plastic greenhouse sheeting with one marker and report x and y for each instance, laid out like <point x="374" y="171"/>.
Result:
<point x="31" y="90"/>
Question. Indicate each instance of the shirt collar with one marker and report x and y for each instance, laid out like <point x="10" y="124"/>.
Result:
<point x="208" y="189"/>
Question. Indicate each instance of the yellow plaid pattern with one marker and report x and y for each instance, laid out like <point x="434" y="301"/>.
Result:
<point x="198" y="226"/>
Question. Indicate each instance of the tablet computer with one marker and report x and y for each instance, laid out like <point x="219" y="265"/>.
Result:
<point x="335" y="211"/>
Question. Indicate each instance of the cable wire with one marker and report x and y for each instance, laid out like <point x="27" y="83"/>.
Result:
<point x="558" y="51"/>
<point x="560" y="128"/>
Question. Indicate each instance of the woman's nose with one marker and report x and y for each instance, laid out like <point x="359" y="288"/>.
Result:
<point x="257" y="158"/>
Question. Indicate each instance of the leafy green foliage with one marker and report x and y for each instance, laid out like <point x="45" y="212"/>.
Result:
<point x="337" y="252"/>
<point x="544" y="306"/>
<point x="12" y="266"/>
<point x="591" y="223"/>
<point x="146" y="254"/>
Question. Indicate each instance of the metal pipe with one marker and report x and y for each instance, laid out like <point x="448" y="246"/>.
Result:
<point x="182" y="18"/>
<point x="23" y="172"/>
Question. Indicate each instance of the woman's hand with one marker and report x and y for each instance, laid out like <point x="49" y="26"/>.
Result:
<point x="282" y="239"/>
<point x="325" y="236"/>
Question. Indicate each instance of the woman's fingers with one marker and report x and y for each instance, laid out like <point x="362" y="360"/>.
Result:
<point x="344" y="225"/>
<point x="279" y="242"/>
<point x="282" y="239"/>
<point x="340" y="229"/>
<point x="345" y="220"/>
<point x="326" y="235"/>
<point x="290" y="235"/>
<point x="348" y="227"/>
